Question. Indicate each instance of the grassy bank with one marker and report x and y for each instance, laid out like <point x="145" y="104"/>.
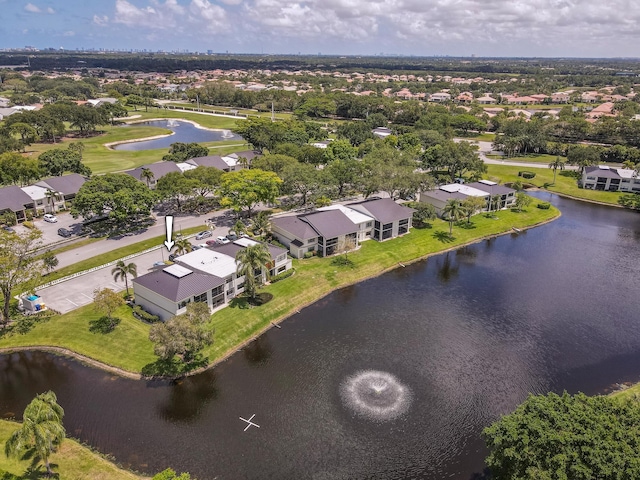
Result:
<point x="565" y="183"/>
<point x="541" y="158"/>
<point x="72" y="461"/>
<point x="102" y="159"/>
<point x="128" y="347"/>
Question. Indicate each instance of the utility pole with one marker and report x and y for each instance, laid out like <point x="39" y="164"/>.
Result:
<point x="273" y="119"/>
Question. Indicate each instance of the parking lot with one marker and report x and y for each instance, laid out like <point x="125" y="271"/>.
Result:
<point x="50" y="230"/>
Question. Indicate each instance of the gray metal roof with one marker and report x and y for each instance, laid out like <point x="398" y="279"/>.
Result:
<point x="442" y="195"/>
<point x="602" y="172"/>
<point x="296" y="226"/>
<point x="248" y="154"/>
<point x="210" y="161"/>
<point x="232" y="249"/>
<point x="178" y="289"/>
<point x="66" y="184"/>
<point x="384" y="210"/>
<point x="492" y="189"/>
<point x="14" y="198"/>
<point x="330" y="223"/>
<point x="159" y="170"/>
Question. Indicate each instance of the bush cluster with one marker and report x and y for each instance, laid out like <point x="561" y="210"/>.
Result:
<point x="544" y="206"/>
<point x="140" y="314"/>
<point x="283" y="275"/>
<point x="525" y="174"/>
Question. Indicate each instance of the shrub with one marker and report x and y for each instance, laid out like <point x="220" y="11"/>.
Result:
<point x="28" y="224"/>
<point x="525" y="174"/>
<point x="310" y="254"/>
<point x="283" y="275"/>
<point x="29" y="215"/>
<point x="544" y="206"/>
<point x="140" y="314"/>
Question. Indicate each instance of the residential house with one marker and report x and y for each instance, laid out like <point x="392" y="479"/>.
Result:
<point x="66" y="186"/>
<point x="381" y="132"/>
<point x="440" y="97"/>
<point x="486" y="100"/>
<point x="158" y="169"/>
<point x="205" y="275"/>
<point x="390" y="219"/>
<point x="6" y="111"/>
<point x="560" y="97"/>
<point x="484" y="188"/>
<point x="602" y="177"/>
<point x="590" y="97"/>
<point x="98" y="102"/>
<point x="14" y="199"/>
<point x="363" y="222"/>
<point x="227" y="163"/>
<point x="4" y="102"/>
<point x="465" y="97"/>
<point x="40" y="201"/>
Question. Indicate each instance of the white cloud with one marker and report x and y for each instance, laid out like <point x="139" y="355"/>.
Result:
<point x="50" y="11"/>
<point x="30" y="7"/>
<point x="100" y="21"/>
<point x="171" y="15"/>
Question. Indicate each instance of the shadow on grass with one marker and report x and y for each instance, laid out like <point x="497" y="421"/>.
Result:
<point x="103" y="325"/>
<point x="34" y="471"/>
<point x="173" y="366"/>
<point x="239" y="302"/>
<point x="343" y="261"/>
<point x="422" y="226"/>
<point x="466" y="225"/>
<point x="443" y="236"/>
<point x="260" y="299"/>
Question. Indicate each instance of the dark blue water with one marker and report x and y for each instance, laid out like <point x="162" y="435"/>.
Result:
<point x="469" y="333"/>
<point x="184" y="132"/>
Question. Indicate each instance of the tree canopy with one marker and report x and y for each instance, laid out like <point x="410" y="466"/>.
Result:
<point x="244" y="189"/>
<point x="117" y="194"/>
<point x="566" y="437"/>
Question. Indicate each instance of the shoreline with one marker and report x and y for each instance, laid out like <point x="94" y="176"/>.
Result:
<point x="295" y="309"/>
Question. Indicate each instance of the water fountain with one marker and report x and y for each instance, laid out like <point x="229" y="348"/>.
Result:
<point x="172" y="123"/>
<point x="227" y="134"/>
<point x="375" y="395"/>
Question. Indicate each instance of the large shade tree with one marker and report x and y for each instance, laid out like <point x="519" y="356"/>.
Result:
<point x="560" y="437"/>
<point x="115" y="194"/>
<point x="244" y="189"/>
<point x="41" y="429"/>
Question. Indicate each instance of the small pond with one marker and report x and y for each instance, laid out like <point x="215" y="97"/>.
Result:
<point x="185" y="132"/>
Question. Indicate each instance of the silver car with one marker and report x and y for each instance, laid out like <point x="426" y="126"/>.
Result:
<point x="204" y="234"/>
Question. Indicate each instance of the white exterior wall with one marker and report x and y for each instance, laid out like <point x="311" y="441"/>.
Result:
<point x="154" y="303"/>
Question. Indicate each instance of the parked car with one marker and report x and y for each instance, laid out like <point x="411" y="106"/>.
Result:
<point x="48" y="217"/>
<point x="8" y="228"/>
<point x="172" y="257"/>
<point x="63" y="232"/>
<point x="204" y="234"/>
<point x="232" y="237"/>
<point x="222" y="240"/>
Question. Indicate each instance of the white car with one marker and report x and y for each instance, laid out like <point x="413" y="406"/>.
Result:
<point x="48" y="217"/>
<point x="222" y="240"/>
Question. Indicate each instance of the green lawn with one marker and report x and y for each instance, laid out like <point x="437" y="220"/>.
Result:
<point x="227" y="110"/>
<point x="102" y="159"/>
<point x="565" y="182"/>
<point x="72" y="461"/>
<point x="128" y="347"/>
<point x="631" y="392"/>
<point x="542" y="158"/>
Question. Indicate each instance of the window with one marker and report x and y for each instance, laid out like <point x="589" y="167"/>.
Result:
<point x="369" y="224"/>
<point x="387" y="231"/>
<point x="282" y="269"/>
<point x="311" y="240"/>
<point x="217" y="291"/>
<point x="403" y="226"/>
<point x="202" y="298"/>
<point x="183" y="304"/>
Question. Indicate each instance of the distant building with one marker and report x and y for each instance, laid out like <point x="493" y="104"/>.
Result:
<point x="484" y="189"/>
<point x="602" y="177"/>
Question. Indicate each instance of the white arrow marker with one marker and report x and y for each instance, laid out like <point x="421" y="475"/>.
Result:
<point x="168" y="223"/>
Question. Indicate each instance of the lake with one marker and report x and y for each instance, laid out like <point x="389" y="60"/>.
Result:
<point x="392" y="378"/>
<point x="184" y="132"/>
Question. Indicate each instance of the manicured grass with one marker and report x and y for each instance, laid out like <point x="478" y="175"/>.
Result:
<point x="72" y="461"/>
<point x="227" y="110"/>
<point x="128" y="347"/>
<point x="566" y="183"/>
<point x="544" y="159"/>
<point x="102" y="159"/>
<point x="316" y="277"/>
<point x="113" y="255"/>
<point x="484" y="137"/>
<point x="631" y="392"/>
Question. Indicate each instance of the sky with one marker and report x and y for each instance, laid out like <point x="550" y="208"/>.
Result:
<point x="529" y="28"/>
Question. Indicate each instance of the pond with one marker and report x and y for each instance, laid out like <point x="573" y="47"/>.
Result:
<point x="392" y="378"/>
<point x="185" y="132"/>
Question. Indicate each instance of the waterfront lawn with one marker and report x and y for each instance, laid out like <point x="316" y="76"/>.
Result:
<point x="72" y="461"/>
<point x="565" y="184"/>
<point x="128" y="347"/>
<point x="316" y="277"/>
<point x="542" y="158"/>
<point x="631" y="392"/>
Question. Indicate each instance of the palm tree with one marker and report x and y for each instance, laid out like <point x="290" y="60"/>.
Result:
<point x="261" y="224"/>
<point x="52" y="196"/>
<point x="453" y="211"/>
<point x="41" y="429"/>
<point x="248" y="261"/>
<point x="122" y="271"/>
<point x="182" y="246"/>
<point x="146" y="175"/>
<point x="239" y="228"/>
<point x="557" y="164"/>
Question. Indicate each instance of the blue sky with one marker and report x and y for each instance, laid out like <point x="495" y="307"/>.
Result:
<point x="551" y="28"/>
